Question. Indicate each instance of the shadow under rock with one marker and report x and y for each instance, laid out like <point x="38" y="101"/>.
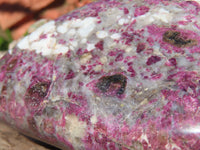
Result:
<point x="50" y="147"/>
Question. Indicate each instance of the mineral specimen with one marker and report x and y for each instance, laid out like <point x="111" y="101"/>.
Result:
<point x="113" y="75"/>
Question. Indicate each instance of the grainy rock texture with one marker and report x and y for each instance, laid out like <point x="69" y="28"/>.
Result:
<point x="113" y="75"/>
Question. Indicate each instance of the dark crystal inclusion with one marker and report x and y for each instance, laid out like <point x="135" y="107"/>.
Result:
<point x="174" y="38"/>
<point x="105" y="82"/>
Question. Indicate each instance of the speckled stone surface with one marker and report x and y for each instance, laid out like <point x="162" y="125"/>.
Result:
<point x="113" y="75"/>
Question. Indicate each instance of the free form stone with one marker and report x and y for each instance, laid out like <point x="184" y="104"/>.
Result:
<point x="111" y="75"/>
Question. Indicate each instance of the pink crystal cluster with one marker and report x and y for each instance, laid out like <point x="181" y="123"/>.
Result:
<point x="125" y="76"/>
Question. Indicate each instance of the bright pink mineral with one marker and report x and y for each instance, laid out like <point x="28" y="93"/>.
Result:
<point x="113" y="75"/>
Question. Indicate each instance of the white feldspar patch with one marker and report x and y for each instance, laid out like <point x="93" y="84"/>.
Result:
<point x="156" y="50"/>
<point x="63" y="28"/>
<point x="60" y="49"/>
<point x="101" y="34"/>
<point x="123" y="21"/>
<point x="172" y="146"/>
<point x="144" y="19"/>
<point x="103" y="59"/>
<point x="118" y="17"/>
<point x="192" y="129"/>
<point x="76" y="127"/>
<point x="84" y="40"/>
<point x="90" y="47"/>
<point x="93" y="119"/>
<point x="163" y="15"/>
<point x="24" y="43"/>
<point x="71" y="32"/>
<point x="85" y="57"/>
<point x="71" y="48"/>
<point x="87" y="26"/>
<point x="73" y="44"/>
<point x="115" y="36"/>
<point x="97" y="68"/>
<point x="144" y="137"/>
<point x="129" y="49"/>
<point x="44" y="29"/>
<point x="20" y="90"/>
<point x="48" y="46"/>
<point x="155" y="15"/>
<point x="57" y="97"/>
<point x="76" y="23"/>
<point x="75" y="130"/>
<point x="44" y="46"/>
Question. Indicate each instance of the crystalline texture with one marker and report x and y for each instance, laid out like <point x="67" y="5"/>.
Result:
<point x="113" y="75"/>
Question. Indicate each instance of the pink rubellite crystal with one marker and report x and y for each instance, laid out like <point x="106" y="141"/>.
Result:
<point x="113" y="75"/>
